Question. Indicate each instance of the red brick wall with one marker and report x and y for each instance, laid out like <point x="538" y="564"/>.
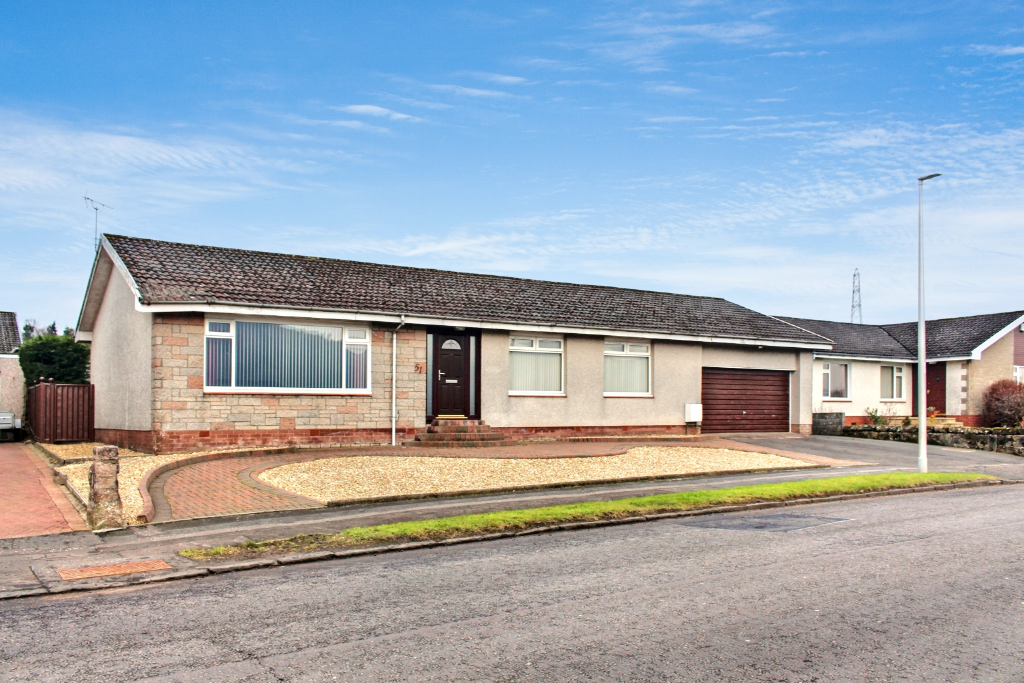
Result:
<point x="183" y="441"/>
<point x="135" y="439"/>
<point x="555" y="432"/>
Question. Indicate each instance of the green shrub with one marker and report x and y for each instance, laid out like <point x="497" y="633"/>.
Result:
<point x="876" y="417"/>
<point x="60" y="358"/>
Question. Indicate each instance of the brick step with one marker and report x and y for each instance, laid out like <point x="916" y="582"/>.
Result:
<point x="458" y="429"/>
<point x="478" y="436"/>
<point x="459" y="444"/>
<point x="455" y="422"/>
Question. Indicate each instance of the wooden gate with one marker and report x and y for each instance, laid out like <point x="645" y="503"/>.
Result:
<point x="62" y="412"/>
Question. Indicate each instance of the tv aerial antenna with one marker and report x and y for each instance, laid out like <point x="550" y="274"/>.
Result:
<point x="95" y="206"/>
<point x="855" y="313"/>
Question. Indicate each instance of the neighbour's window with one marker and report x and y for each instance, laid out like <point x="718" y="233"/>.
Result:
<point x="535" y="365"/>
<point x="627" y="368"/>
<point x="892" y="381"/>
<point x="299" y="358"/>
<point x="833" y="380"/>
<point x="1018" y="373"/>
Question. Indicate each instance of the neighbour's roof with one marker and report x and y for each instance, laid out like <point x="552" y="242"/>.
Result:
<point x="168" y="272"/>
<point x="952" y="337"/>
<point x="10" y="338"/>
<point x="869" y="341"/>
<point x="947" y="337"/>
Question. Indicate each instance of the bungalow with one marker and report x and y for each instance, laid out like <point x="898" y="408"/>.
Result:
<point x="195" y="347"/>
<point x="875" y="366"/>
<point x="12" y="380"/>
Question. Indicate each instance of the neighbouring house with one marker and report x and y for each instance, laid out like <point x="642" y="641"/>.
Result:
<point x="195" y="347"/>
<point x="12" y="380"/>
<point x="875" y="366"/>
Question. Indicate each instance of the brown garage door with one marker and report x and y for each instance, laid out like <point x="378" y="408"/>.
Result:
<point x="745" y="400"/>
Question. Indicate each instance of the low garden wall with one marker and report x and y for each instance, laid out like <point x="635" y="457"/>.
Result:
<point x="1000" y="440"/>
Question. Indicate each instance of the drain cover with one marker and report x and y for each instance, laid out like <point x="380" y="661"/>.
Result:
<point x="112" y="570"/>
<point x="779" y="522"/>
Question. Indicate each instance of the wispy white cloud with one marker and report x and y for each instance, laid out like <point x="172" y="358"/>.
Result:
<point x="423" y="104"/>
<point x="373" y="110"/>
<point x="1000" y="50"/>
<point x="670" y="89"/>
<point x="677" y="119"/>
<point x="495" y="78"/>
<point x="338" y="123"/>
<point x="470" y="92"/>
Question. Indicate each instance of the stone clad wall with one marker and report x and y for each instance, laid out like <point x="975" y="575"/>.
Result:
<point x="186" y="418"/>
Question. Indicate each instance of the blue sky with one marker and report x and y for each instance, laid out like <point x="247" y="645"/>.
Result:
<point x="757" y="151"/>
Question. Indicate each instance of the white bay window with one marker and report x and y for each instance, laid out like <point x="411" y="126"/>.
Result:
<point x="535" y="366"/>
<point x="264" y="357"/>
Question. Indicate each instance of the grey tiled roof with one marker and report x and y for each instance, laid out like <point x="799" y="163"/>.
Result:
<point x="947" y="337"/>
<point x="950" y="337"/>
<point x="168" y="272"/>
<point x="870" y="341"/>
<point x="10" y="338"/>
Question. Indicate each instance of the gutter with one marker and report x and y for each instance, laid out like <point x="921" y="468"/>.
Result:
<point x="394" y="380"/>
<point x="277" y="310"/>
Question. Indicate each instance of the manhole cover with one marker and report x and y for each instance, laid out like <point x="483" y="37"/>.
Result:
<point x="779" y="522"/>
<point x="112" y="570"/>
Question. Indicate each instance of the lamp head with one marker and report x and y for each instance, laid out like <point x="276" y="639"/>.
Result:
<point x="928" y="177"/>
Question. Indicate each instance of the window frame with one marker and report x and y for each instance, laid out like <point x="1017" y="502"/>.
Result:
<point x="897" y="371"/>
<point x="536" y="349"/>
<point x="627" y="353"/>
<point x="341" y="391"/>
<point x="826" y="370"/>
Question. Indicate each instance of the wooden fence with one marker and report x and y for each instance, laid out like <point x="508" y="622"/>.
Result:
<point x="62" y="412"/>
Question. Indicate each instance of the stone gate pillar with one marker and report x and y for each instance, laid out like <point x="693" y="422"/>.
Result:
<point x="104" y="510"/>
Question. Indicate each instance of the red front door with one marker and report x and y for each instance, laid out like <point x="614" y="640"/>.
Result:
<point x="935" y="381"/>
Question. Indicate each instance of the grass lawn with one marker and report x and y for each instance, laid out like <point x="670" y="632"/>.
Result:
<point x="519" y="520"/>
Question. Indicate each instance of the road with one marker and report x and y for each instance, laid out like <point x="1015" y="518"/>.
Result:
<point x="921" y="587"/>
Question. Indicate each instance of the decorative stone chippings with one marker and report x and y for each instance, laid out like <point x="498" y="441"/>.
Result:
<point x="359" y="477"/>
<point x="104" y="510"/>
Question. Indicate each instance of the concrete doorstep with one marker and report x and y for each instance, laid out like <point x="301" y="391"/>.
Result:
<point x="50" y="581"/>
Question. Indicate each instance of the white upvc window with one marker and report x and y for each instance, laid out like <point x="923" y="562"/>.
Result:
<point x="627" y="368"/>
<point x="834" y="380"/>
<point x="1018" y="373"/>
<point x="250" y="356"/>
<point x="892" y="382"/>
<point x="535" y="366"/>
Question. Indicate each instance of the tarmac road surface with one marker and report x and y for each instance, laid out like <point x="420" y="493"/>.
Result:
<point x="920" y="587"/>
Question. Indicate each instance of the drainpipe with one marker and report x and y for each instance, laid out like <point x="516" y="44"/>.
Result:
<point x="394" y="381"/>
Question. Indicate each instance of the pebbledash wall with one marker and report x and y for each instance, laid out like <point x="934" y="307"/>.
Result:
<point x="185" y="418"/>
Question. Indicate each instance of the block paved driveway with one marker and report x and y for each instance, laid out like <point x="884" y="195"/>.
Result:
<point x="230" y="487"/>
<point x="30" y="503"/>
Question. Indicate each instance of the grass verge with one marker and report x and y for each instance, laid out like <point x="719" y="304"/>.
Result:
<point x="519" y="520"/>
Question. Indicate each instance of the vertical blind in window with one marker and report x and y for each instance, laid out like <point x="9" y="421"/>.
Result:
<point x="535" y="371"/>
<point x="218" y="362"/>
<point x="288" y="356"/>
<point x="626" y="374"/>
<point x="355" y="366"/>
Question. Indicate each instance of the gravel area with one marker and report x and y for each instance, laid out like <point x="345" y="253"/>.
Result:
<point x="359" y="477"/>
<point x="131" y="470"/>
<point x="75" y="451"/>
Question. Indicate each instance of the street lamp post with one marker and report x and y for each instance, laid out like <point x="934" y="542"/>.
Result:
<point x="922" y="364"/>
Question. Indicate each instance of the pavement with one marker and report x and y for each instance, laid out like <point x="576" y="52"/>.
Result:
<point x="31" y="565"/>
<point x="922" y="587"/>
<point x="30" y="503"/>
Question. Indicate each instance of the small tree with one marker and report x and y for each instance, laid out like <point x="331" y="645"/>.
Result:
<point x="62" y="358"/>
<point x="1004" y="404"/>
